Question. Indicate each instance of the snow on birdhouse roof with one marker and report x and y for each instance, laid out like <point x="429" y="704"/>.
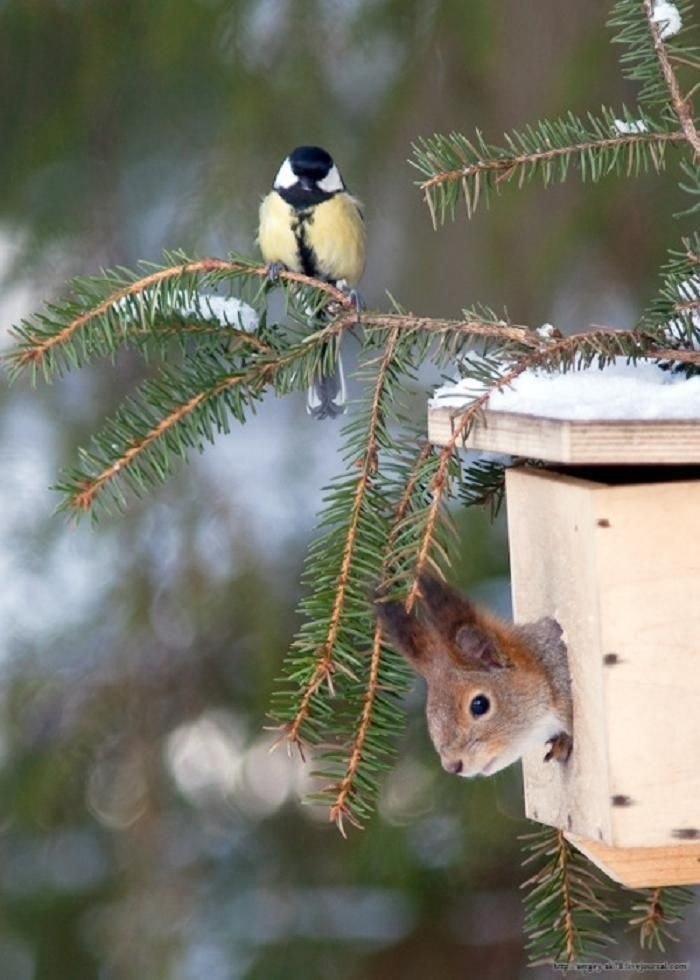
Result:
<point x="618" y="390"/>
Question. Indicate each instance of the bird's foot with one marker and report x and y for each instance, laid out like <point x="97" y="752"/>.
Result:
<point x="559" y="747"/>
<point x="272" y="271"/>
<point x="357" y="300"/>
<point x="353" y="295"/>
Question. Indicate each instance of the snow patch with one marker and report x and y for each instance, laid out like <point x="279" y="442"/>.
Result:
<point x="229" y="311"/>
<point x="627" y="126"/>
<point x="669" y="17"/>
<point x="619" y="390"/>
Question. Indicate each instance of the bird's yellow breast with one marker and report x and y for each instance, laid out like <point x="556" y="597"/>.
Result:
<point x="276" y="232"/>
<point x="336" y="233"/>
<point x="332" y="233"/>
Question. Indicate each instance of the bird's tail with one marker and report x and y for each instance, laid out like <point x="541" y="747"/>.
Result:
<point x="326" y="396"/>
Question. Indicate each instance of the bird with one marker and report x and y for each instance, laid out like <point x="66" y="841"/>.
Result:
<point x="309" y="223"/>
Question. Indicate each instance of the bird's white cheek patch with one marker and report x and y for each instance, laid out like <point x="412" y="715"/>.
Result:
<point x="332" y="182"/>
<point x="285" y="175"/>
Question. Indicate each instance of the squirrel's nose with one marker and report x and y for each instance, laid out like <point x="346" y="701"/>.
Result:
<point x="455" y="767"/>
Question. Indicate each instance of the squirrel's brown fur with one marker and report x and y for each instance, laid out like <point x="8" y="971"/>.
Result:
<point x="494" y="689"/>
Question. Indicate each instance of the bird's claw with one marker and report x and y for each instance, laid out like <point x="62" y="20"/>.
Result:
<point x="352" y="294"/>
<point x="559" y="747"/>
<point x="357" y="300"/>
<point x="272" y="271"/>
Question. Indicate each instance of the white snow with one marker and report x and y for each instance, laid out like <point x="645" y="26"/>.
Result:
<point x="688" y="290"/>
<point x="619" y="390"/>
<point x="626" y="126"/>
<point x="229" y="311"/>
<point x="548" y="330"/>
<point x="669" y="17"/>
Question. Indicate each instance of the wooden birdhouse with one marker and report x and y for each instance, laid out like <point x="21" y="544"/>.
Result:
<point x="605" y="537"/>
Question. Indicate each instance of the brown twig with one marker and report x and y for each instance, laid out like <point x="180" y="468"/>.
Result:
<point x="568" y="907"/>
<point x="672" y="354"/>
<point x="340" y="809"/>
<point x="412" y="322"/>
<point x="34" y="354"/>
<point x="83" y="500"/>
<point x="461" y="424"/>
<point x="680" y="104"/>
<point x="241" y="336"/>
<point x="687" y="306"/>
<point x="261" y="373"/>
<point x="506" y="166"/>
<point x="463" y="421"/>
<point x="649" y="922"/>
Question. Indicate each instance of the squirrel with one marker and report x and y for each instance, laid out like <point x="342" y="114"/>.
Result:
<point x="494" y="689"/>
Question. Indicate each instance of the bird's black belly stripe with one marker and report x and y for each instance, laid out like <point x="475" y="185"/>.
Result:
<point x="307" y="256"/>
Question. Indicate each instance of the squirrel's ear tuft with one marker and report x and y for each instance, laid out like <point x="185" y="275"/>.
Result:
<point x="444" y="607"/>
<point x="478" y="649"/>
<point x="402" y="631"/>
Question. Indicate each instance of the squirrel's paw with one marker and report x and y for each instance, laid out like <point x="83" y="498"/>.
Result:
<point x="559" y="747"/>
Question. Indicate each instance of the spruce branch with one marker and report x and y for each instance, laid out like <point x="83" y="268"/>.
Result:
<point x="649" y="53"/>
<point x="160" y="426"/>
<point x="681" y="105"/>
<point x="655" y="912"/>
<point x="566" y="901"/>
<point x="454" y="165"/>
<point x="691" y="185"/>
<point x="367" y="466"/>
<point x="341" y="807"/>
<point x="107" y="311"/>
<point x="355" y="505"/>
<point x="672" y="322"/>
<point x="462" y="422"/>
<point x="472" y="325"/>
<point x="176" y="411"/>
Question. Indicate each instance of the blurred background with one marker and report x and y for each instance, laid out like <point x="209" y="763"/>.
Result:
<point x="145" y="831"/>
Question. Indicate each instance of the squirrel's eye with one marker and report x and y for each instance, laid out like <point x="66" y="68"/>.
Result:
<point x="479" y="705"/>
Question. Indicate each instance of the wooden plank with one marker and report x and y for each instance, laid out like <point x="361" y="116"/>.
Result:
<point x="575" y="442"/>
<point x="553" y="573"/>
<point x="643" y="867"/>
<point x="648" y="572"/>
<point x="619" y="568"/>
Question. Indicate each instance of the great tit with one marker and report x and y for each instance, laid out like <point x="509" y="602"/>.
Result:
<point x="309" y="223"/>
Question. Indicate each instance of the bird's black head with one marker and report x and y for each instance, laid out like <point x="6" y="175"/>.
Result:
<point x="308" y="176"/>
<point x="312" y="162"/>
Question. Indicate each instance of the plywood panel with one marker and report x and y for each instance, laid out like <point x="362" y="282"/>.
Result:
<point x="648" y="561"/>
<point x="574" y="442"/>
<point x="551" y="535"/>
<point x="619" y="568"/>
<point x="644" y="867"/>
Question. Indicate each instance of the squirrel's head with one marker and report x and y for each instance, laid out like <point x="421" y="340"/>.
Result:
<point x="489" y="698"/>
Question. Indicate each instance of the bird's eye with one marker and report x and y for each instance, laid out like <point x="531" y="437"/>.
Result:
<point x="479" y="705"/>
